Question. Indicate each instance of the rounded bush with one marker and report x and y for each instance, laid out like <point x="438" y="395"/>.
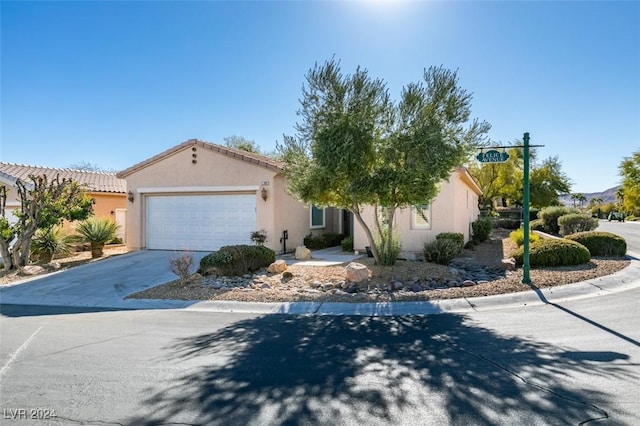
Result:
<point x="550" y="215"/>
<point x="554" y="252"/>
<point x="482" y="229"/>
<point x="517" y="236"/>
<point x="537" y="225"/>
<point x="576" y="222"/>
<point x="237" y="260"/>
<point x="456" y="237"/>
<point x="600" y="243"/>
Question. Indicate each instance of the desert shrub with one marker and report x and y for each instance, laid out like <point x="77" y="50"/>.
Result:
<point x="181" y="264"/>
<point x="554" y="252"/>
<point x="600" y="243"/>
<point x="537" y="225"/>
<point x="576" y="222"/>
<point x="48" y="243"/>
<point x="441" y="251"/>
<point x="388" y="250"/>
<point x="550" y="215"/>
<point x="347" y="244"/>
<point x="237" y="260"/>
<point x="259" y="237"/>
<point x="518" y="236"/>
<point x="97" y="232"/>
<point x="481" y="229"/>
<point x="115" y="240"/>
<point x="456" y="237"/>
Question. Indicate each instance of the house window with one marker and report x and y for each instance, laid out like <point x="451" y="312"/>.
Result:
<point x="421" y="217"/>
<point x="317" y="217"/>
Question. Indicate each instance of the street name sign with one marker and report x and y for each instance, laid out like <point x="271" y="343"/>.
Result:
<point x="492" y="156"/>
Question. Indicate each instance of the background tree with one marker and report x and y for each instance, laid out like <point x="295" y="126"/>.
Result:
<point x="499" y="181"/>
<point x="90" y="167"/>
<point x="43" y="204"/>
<point x="242" y="143"/>
<point x="354" y="146"/>
<point x="630" y="172"/>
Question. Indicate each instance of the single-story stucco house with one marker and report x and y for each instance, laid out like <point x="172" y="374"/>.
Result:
<point x="108" y="191"/>
<point x="201" y="196"/>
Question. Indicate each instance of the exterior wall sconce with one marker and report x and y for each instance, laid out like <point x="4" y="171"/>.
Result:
<point x="130" y="196"/>
<point x="263" y="193"/>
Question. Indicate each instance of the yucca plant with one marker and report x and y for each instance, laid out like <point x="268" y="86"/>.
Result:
<point x="97" y="232"/>
<point x="48" y="243"/>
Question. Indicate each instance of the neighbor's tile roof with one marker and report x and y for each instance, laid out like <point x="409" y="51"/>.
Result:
<point x="257" y="159"/>
<point x="92" y="181"/>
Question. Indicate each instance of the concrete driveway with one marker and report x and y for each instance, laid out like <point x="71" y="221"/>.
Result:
<point x="100" y="284"/>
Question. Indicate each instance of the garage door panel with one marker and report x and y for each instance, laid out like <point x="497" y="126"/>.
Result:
<point x="199" y="222"/>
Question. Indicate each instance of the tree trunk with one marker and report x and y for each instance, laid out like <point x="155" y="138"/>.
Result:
<point x="367" y="231"/>
<point x="6" y="255"/>
<point x="97" y="250"/>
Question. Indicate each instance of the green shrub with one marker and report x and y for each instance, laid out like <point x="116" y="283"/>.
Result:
<point x="48" y="243"/>
<point x="347" y="244"/>
<point x="600" y="243"/>
<point x="481" y="229"/>
<point x="554" y="252"/>
<point x="388" y="251"/>
<point x="456" y="237"/>
<point x="441" y="251"/>
<point x="518" y="236"/>
<point x="550" y="215"/>
<point x="259" y="237"/>
<point x="576" y="222"/>
<point x="537" y="225"/>
<point x="317" y="242"/>
<point x="237" y="260"/>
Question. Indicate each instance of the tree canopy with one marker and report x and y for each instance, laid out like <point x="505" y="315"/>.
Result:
<point x="354" y="146"/>
<point x="630" y="172"/>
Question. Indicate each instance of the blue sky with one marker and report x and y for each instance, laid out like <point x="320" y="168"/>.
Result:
<point x="113" y="83"/>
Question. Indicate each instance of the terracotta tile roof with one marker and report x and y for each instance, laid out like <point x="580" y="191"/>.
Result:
<point x="92" y="181"/>
<point x="256" y="159"/>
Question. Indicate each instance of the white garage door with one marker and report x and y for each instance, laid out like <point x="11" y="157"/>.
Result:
<point x="199" y="222"/>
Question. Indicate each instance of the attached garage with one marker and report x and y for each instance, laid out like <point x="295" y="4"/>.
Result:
<point x="199" y="222"/>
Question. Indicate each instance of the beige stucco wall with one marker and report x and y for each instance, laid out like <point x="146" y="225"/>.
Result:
<point x="217" y="173"/>
<point x="453" y="210"/>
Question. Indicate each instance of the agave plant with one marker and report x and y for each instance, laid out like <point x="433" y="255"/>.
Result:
<point x="50" y="242"/>
<point x="97" y="232"/>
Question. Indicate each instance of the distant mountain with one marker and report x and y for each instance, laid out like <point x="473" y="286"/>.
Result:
<point x="607" y="196"/>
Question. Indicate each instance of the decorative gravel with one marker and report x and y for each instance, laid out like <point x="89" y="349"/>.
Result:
<point x="476" y="272"/>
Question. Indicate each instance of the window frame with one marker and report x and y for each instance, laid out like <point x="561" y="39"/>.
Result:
<point x="324" y="217"/>
<point x="416" y="218"/>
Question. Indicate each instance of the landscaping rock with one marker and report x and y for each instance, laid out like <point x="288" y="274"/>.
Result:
<point x="357" y="272"/>
<point x="277" y="267"/>
<point x="509" y="264"/>
<point x="302" y="253"/>
<point x="32" y="270"/>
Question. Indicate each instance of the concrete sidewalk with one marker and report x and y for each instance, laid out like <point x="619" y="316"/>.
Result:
<point x="106" y="283"/>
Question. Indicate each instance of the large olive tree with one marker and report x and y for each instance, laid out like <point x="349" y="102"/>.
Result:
<point x="354" y="146"/>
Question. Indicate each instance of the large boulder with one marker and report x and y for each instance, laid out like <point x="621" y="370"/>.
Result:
<point x="357" y="272"/>
<point x="30" y="270"/>
<point x="303" y="253"/>
<point x="277" y="267"/>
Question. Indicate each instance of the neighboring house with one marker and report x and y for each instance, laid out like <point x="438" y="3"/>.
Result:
<point x="453" y="210"/>
<point x="108" y="191"/>
<point x="201" y="196"/>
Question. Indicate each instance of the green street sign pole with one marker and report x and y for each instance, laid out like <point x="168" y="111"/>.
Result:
<point x="525" y="205"/>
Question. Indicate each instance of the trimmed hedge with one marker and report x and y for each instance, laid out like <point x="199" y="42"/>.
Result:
<point x="600" y="243"/>
<point x="536" y="225"/>
<point x="550" y="215"/>
<point x="236" y="260"/>
<point x="576" y="222"/>
<point x="554" y="252"/>
<point x="317" y="242"/>
<point x="347" y="244"/>
<point x="507" y="223"/>
<point x="456" y="237"/>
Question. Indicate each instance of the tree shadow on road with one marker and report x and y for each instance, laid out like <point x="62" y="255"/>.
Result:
<point x="442" y="369"/>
